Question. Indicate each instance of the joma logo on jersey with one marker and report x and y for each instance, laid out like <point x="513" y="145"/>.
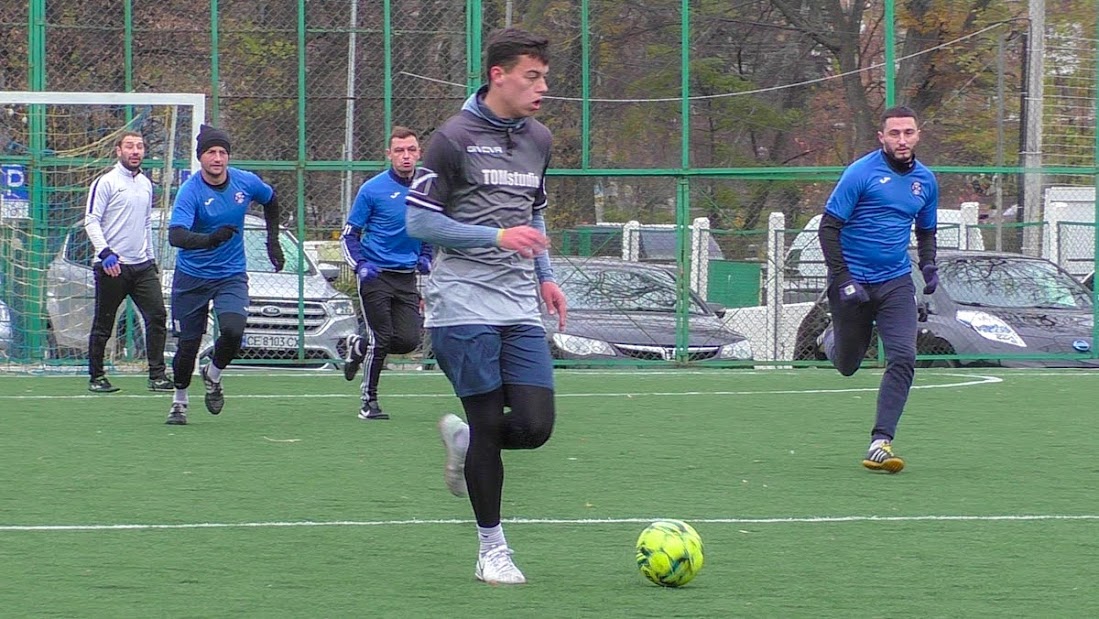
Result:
<point x="513" y="179"/>
<point x="485" y="150"/>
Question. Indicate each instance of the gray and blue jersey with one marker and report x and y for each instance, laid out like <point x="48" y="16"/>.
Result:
<point x="480" y="173"/>
<point x="878" y="206"/>
<point x="199" y="207"/>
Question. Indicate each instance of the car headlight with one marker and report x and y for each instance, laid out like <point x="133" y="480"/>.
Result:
<point x="739" y="350"/>
<point x="341" y="307"/>
<point x="576" y="345"/>
<point x="990" y="327"/>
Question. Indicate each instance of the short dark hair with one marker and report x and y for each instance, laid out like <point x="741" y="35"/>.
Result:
<point x="127" y="134"/>
<point x="506" y="46"/>
<point x="400" y="132"/>
<point x="899" y="111"/>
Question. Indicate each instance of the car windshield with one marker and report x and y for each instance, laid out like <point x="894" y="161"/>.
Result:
<point x="1012" y="282"/>
<point x="255" y="253"/>
<point x="621" y="290"/>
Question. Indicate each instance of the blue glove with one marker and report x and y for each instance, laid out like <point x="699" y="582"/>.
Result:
<point x="423" y="265"/>
<point x="853" y="293"/>
<point x="111" y="261"/>
<point x="366" y="271"/>
<point x="930" y="277"/>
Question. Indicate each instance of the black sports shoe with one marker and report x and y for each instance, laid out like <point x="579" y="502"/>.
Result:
<point x="100" y="384"/>
<point x="177" y="415"/>
<point x="215" y="398"/>
<point x="162" y="383"/>
<point x="372" y="412"/>
<point x="352" y="363"/>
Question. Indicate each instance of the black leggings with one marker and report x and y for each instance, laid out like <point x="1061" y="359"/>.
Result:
<point x="528" y="425"/>
<point x="230" y="332"/>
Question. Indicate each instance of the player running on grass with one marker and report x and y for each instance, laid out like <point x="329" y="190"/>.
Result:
<point x="479" y="199"/>
<point x="386" y="261"/>
<point x="864" y="235"/>
<point x="207" y="226"/>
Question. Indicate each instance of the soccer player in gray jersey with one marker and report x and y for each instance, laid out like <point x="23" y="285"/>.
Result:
<point x="118" y="222"/>
<point x="479" y="199"/>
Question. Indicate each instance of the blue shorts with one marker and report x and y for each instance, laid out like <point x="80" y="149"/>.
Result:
<point x="191" y="298"/>
<point x="481" y="358"/>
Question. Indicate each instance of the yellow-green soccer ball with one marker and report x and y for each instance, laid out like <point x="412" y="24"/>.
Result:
<point x="669" y="553"/>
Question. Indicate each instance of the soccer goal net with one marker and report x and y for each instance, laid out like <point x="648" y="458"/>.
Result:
<point x="53" y="145"/>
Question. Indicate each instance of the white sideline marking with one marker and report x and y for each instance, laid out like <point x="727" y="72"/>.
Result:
<point x="638" y="373"/>
<point x="549" y="521"/>
<point x="979" y="380"/>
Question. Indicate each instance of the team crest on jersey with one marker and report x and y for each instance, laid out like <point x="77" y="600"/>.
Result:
<point x="239" y="197"/>
<point x="917" y="188"/>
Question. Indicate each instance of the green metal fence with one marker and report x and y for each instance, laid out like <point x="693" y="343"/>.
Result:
<point x="664" y="111"/>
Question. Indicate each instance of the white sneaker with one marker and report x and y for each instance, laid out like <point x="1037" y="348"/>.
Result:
<point x="451" y="428"/>
<point x="496" y="568"/>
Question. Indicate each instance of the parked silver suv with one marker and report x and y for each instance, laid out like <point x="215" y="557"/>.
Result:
<point x="318" y="318"/>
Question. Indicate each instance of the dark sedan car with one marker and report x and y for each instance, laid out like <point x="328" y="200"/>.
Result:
<point x="626" y="310"/>
<point x="990" y="309"/>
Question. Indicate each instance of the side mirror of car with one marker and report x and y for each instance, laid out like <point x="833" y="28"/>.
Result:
<point x="330" y="272"/>
<point x="717" y="308"/>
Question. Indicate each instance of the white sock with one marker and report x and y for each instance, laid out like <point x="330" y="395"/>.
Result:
<point x="180" y="397"/>
<point x="461" y="439"/>
<point x="491" y="537"/>
<point x="214" y="373"/>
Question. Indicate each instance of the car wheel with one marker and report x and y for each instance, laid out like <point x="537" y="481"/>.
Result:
<point x="936" y="346"/>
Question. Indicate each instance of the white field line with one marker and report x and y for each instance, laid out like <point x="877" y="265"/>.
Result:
<point x="551" y="521"/>
<point x="635" y="373"/>
<point x="977" y="380"/>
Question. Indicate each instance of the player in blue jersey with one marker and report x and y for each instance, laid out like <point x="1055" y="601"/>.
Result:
<point x="386" y="261"/>
<point x="479" y="199"/>
<point x="865" y="234"/>
<point x="207" y="225"/>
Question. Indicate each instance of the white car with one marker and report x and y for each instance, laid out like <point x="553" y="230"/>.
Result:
<point x="281" y="318"/>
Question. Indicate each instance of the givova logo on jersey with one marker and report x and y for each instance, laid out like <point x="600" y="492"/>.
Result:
<point x="495" y="151"/>
<point x="511" y="179"/>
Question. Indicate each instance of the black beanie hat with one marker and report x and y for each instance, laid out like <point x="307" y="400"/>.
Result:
<point x="209" y="137"/>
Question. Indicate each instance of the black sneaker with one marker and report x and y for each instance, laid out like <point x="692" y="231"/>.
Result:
<point x="352" y="363"/>
<point x="177" y="415"/>
<point x="162" y="383"/>
<point x="215" y="398"/>
<point x="372" y="412"/>
<point x="100" y="384"/>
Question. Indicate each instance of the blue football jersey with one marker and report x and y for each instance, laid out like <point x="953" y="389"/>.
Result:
<point x="878" y="206"/>
<point x="201" y="208"/>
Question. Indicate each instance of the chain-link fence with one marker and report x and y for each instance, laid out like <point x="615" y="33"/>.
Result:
<point x="756" y="115"/>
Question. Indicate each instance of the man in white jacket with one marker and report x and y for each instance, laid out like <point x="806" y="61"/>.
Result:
<point x="118" y="221"/>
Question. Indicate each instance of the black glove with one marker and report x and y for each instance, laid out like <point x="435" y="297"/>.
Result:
<point x="219" y="236"/>
<point x="930" y="277"/>
<point x="275" y="255"/>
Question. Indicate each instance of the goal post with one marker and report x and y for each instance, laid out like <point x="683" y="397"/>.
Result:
<point x="52" y="147"/>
